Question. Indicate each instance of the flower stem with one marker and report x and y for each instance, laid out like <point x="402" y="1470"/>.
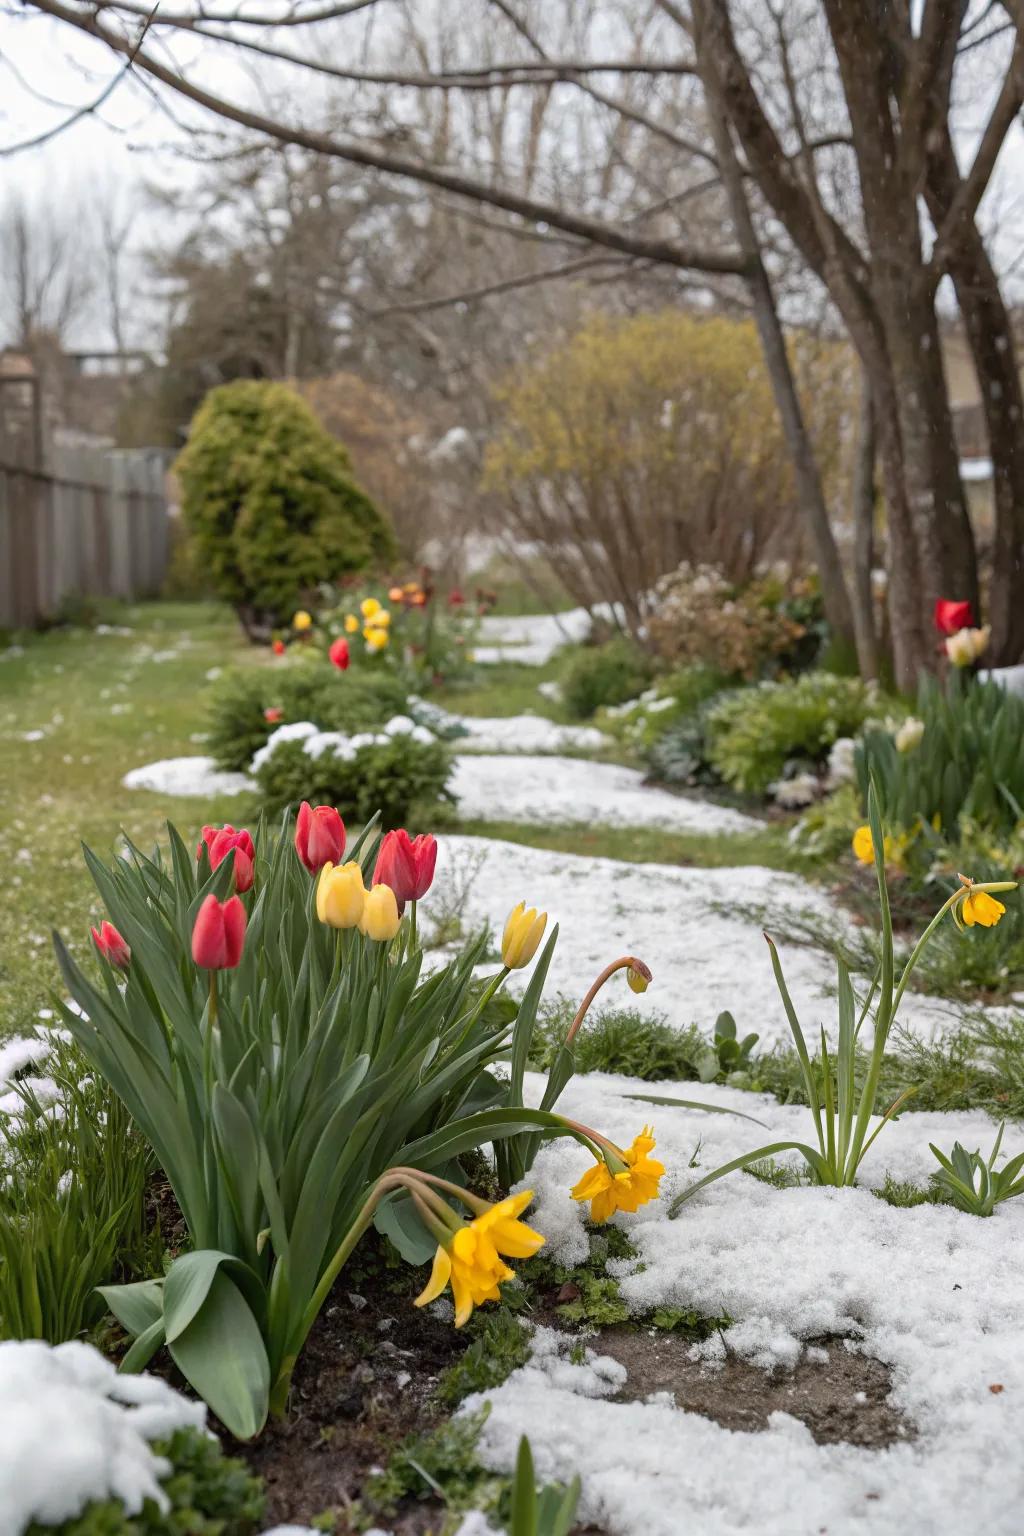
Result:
<point x="606" y="974"/>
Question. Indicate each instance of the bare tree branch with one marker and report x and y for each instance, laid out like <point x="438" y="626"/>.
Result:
<point x="506" y="285"/>
<point x="614" y="237"/>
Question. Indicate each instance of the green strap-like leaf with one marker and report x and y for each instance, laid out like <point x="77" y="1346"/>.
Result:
<point x="814" y="1160"/>
<point x="222" y="1355"/>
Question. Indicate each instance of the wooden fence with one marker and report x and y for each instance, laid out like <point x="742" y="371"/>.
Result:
<point x="94" y="527"/>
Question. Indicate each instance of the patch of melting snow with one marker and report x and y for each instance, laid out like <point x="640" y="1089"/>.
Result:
<point x="526" y="733"/>
<point x="932" y="1292"/>
<point x="532" y="639"/>
<point x="73" y="1430"/>
<point x="553" y="791"/>
<point x="187" y="777"/>
<point x="704" y="956"/>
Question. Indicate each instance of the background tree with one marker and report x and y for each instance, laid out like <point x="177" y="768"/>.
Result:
<point x="843" y="113"/>
<point x="270" y="503"/>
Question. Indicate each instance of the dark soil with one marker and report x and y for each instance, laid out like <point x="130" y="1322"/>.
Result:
<point x="843" y="1400"/>
<point x="366" y="1379"/>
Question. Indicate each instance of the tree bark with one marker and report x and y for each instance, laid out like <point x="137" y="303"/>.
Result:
<point x="864" y="535"/>
<point x="990" y="336"/>
<point x="834" y="592"/>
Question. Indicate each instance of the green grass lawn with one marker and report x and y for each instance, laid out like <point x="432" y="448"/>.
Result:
<point x="78" y="709"/>
<point x="104" y="704"/>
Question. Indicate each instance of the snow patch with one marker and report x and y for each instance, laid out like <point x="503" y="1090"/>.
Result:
<point x="559" y="791"/>
<point x="72" y="1431"/>
<point x="188" y="777"/>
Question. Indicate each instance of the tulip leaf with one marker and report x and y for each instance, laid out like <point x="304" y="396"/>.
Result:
<point x="222" y="1355"/>
<point x="143" y="1349"/>
<point x="137" y="1307"/>
<point x="526" y="1019"/>
<point x="190" y="1280"/>
<point x="398" y="1220"/>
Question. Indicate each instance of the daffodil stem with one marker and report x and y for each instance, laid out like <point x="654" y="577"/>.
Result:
<point x="606" y="974"/>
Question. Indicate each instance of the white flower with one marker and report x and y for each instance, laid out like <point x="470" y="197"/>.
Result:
<point x="909" y="735"/>
<point x="841" y="769"/>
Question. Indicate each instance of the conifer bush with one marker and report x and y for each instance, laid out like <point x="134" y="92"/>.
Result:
<point x="270" y="503"/>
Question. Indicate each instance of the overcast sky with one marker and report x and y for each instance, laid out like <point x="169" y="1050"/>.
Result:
<point x="47" y="69"/>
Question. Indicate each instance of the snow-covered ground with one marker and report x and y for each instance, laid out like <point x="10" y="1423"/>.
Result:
<point x="703" y="959"/>
<point x="554" y="791"/>
<point x="935" y="1294"/>
<point x="532" y="639"/>
<point x="188" y="777"/>
<point x="526" y="733"/>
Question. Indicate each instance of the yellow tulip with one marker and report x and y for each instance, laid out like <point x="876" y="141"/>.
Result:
<point x="302" y="621"/>
<point x="524" y="930"/>
<point x="340" y="895"/>
<point x="379" y="620"/>
<point x="379" y="919"/>
<point x="863" y="845"/>
<point x="376" y="639"/>
<point x="351" y="623"/>
<point x="368" y="607"/>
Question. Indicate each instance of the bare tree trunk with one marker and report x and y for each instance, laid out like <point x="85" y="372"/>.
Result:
<point x="835" y="595"/>
<point x="864" y="535"/>
<point x="990" y="336"/>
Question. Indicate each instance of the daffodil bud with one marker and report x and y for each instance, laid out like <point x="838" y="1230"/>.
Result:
<point x="380" y="917"/>
<point x="638" y="976"/>
<point x="340" y="895"/>
<point x="524" y="929"/>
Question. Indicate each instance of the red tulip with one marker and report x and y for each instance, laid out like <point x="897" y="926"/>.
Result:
<point x="951" y="617"/>
<point x="339" y="654"/>
<point x="278" y="647"/>
<point x="319" y="836"/>
<point x="406" y="864"/>
<point x="273" y="714"/>
<point x="220" y="841"/>
<point x="111" y="945"/>
<point x="455" y="598"/>
<point x="219" y="934"/>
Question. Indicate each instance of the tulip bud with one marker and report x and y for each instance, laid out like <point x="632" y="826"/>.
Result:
<point x="319" y="836"/>
<point x="112" y="946"/>
<point x="909" y="735"/>
<point x="524" y="930"/>
<point x="220" y="841"/>
<point x="368" y="607"/>
<point x="219" y="934"/>
<point x="380" y="918"/>
<point x="339" y="654"/>
<point x="395" y="594"/>
<point x="340" y="895"/>
<point x="272" y="714"/>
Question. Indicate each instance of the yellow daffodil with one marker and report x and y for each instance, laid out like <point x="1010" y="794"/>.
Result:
<point x="368" y="607"/>
<point x="379" y="918"/>
<point x="864" y="847"/>
<point x="351" y="623"/>
<point x="340" y="895"/>
<point x="524" y="929"/>
<point x="621" y="1180"/>
<point x="376" y="639"/>
<point x="979" y="907"/>
<point x="379" y="620"/>
<point x="471" y="1261"/>
<point x="302" y="621"/>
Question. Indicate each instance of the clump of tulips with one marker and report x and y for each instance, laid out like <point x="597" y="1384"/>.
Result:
<point x="261" y="1010"/>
